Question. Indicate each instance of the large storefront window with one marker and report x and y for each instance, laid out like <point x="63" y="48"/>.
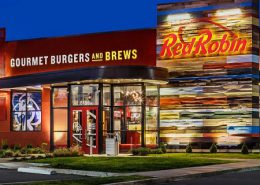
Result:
<point x="60" y="116"/>
<point x="26" y="111"/>
<point x="128" y="114"/>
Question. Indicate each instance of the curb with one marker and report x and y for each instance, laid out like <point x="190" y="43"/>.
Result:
<point x="84" y="173"/>
<point x="37" y="171"/>
<point x="153" y="180"/>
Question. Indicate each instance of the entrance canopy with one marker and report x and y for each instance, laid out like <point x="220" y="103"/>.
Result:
<point x="112" y="74"/>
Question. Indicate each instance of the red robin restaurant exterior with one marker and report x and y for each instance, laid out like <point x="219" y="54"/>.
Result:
<point x="194" y="80"/>
<point x="62" y="90"/>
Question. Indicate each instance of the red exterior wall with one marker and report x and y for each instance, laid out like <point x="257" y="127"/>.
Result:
<point x="25" y="138"/>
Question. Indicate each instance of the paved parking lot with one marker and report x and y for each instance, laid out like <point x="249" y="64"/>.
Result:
<point x="12" y="176"/>
<point x="232" y="178"/>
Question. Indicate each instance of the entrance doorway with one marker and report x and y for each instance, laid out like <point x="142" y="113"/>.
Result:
<point x="84" y="128"/>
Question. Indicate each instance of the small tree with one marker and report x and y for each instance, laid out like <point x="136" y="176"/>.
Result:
<point x="244" y="149"/>
<point x="189" y="148"/>
<point x="162" y="146"/>
<point x="213" y="148"/>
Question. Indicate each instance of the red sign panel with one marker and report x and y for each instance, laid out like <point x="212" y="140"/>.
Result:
<point x="106" y="49"/>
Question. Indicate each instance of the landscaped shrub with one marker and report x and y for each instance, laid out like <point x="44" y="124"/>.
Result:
<point x="24" y="150"/>
<point x="156" y="151"/>
<point x="1" y="153"/>
<point x="8" y="153"/>
<point x="17" y="147"/>
<point x="189" y="148"/>
<point x="213" y="148"/>
<point x="75" y="151"/>
<point x="67" y="152"/>
<point x="244" y="149"/>
<point x="61" y="152"/>
<point x="141" y="151"/>
<point x="17" y="154"/>
<point x="4" y="144"/>
<point x="36" y="150"/>
<point x="163" y="147"/>
<point x="29" y="146"/>
<point x="44" y="147"/>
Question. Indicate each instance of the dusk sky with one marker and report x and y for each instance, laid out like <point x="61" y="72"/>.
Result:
<point x="26" y="19"/>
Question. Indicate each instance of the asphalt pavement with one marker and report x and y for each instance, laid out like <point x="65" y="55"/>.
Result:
<point x="231" y="178"/>
<point x="8" y="176"/>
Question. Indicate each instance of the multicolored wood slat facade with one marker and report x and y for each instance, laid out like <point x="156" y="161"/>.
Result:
<point x="210" y="97"/>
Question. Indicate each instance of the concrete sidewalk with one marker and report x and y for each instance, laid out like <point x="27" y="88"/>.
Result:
<point x="182" y="172"/>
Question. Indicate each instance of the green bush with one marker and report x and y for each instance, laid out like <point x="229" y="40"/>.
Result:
<point x="17" y="154"/>
<point x="75" y="151"/>
<point x="24" y="150"/>
<point x="189" y="148"/>
<point x="36" y="150"/>
<point x="244" y="149"/>
<point x="4" y="144"/>
<point x="44" y="147"/>
<point x="29" y="146"/>
<point x="213" y="148"/>
<point x="67" y="152"/>
<point x="1" y="153"/>
<point x="61" y="152"/>
<point x="141" y="151"/>
<point x="17" y="147"/>
<point x="163" y="147"/>
<point x="156" y="151"/>
<point x="8" y="153"/>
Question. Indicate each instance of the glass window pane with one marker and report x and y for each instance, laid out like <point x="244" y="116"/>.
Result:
<point x="34" y="119"/>
<point x="133" y="95"/>
<point x="74" y="95"/>
<point x="19" y="121"/>
<point x="118" y="118"/>
<point x="119" y="96"/>
<point x="85" y="94"/>
<point x="77" y="128"/>
<point x="106" y="119"/>
<point x="106" y="95"/>
<point x="134" y="118"/>
<point x="151" y="95"/>
<point x="60" y="139"/>
<point x="34" y="101"/>
<point x="130" y="137"/>
<point x="19" y="101"/>
<point x="60" y="98"/>
<point x="151" y="118"/>
<point x="151" y="138"/>
<point x="60" y="119"/>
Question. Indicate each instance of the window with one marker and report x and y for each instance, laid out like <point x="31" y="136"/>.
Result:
<point x="26" y="111"/>
<point x="60" y="116"/>
<point x="84" y="94"/>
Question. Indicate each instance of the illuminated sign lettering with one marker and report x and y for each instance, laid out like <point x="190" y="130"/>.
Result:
<point x="204" y="44"/>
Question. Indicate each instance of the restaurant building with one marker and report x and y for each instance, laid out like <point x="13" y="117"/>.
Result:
<point x="193" y="80"/>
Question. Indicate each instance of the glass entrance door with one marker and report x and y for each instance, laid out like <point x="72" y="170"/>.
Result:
<point x="84" y="128"/>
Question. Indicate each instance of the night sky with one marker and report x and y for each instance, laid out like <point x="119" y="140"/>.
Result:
<point x="26" y="19"/>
